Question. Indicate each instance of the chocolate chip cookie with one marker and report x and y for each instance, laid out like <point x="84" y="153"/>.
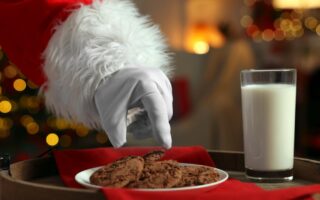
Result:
<point x="153" y="156"/>
<point x="119" y="173"/>
<point x="149" y="172"/>
<point x="158" y="174"/>
<point x="197" y="175"/>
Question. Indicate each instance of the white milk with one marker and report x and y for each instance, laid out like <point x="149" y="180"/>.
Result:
<point x="268" y="120"/>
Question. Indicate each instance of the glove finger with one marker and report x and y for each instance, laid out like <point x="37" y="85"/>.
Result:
<point x="113" y="118"/>
<point x="116" y="131"/>
<point x="158" y="116"/>
<point x="164" y="86"/>
<point x="166" y="92"/>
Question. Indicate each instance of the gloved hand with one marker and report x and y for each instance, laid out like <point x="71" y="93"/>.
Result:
<point x="146" y="93"/>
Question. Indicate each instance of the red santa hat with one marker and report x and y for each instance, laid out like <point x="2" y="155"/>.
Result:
<point x="71" y="46"/>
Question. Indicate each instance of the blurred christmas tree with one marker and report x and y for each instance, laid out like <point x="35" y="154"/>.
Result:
<point x="26" y="128"/>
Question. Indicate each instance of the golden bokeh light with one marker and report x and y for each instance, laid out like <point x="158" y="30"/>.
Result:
<point x="25" y="120"/>
<point x="246" y="21"/>
<point x="62" y="124"/>
<point x="201" y="47"/>
<point x="32" y="128"/>
<point x="52" y="139"/>
<point x="285" y="24"/>
<point x="101" y="138"/>
<point x="65" y="140"/>
<point x="267" y="35"/>
<point x="5" y="106"/>
<point x="311" y="22"/>
<point x="19" y="85"/>
<point x="10" y="71"/>
<point x="81" y="130"/>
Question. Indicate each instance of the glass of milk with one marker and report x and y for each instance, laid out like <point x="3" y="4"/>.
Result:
<point x="268" y="112"/>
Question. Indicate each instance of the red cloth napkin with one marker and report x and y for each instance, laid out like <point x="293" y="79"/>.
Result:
<point x="70" y="162"/>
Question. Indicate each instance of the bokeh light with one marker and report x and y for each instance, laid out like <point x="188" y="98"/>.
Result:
<point x="32" y="128"/>
<point x="5" y="106"/>
<point x="25" y="120"/>
<point x="201" y="47"/>
<point x="52" y="139"/>
<point x="246" y="21"/>
<point x="10" y="71"/>
<point x="81" y="130"/>
<point x="311" y="22"/>
<point x="267" y="35"/>
<point x="62" y="124"/>
<point x="101" y="138"/>
<point x="19" y="85"/>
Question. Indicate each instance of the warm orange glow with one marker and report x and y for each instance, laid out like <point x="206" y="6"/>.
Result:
<point x="201" y="36"/>
<point x="296" y="4"/>
<point x="201" y="47"/>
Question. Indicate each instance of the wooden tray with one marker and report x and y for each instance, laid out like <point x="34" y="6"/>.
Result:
<point x="38" y="178"/>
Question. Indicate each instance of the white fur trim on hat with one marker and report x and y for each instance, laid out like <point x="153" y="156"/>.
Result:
<point x="95" y="41"/>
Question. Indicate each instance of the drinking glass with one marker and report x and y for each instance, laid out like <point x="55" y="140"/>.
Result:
<point x="268" y="112"/>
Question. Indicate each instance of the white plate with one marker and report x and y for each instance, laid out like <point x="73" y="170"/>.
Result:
<point x="83" y="178"/>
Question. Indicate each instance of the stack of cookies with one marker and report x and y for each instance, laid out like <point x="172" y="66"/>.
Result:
<point x="151" y="172"/>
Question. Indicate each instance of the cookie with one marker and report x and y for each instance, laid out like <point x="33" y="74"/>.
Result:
<point x="208" y="175"/>
<point x="189" y="176"/>
<point x="119" y="173"/>
<point x="197" y="175"/>
<point x="158" y="174"/>
<point x="153" y="156"/>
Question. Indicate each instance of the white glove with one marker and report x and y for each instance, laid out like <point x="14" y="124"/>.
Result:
<point x="146" y="93"/>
